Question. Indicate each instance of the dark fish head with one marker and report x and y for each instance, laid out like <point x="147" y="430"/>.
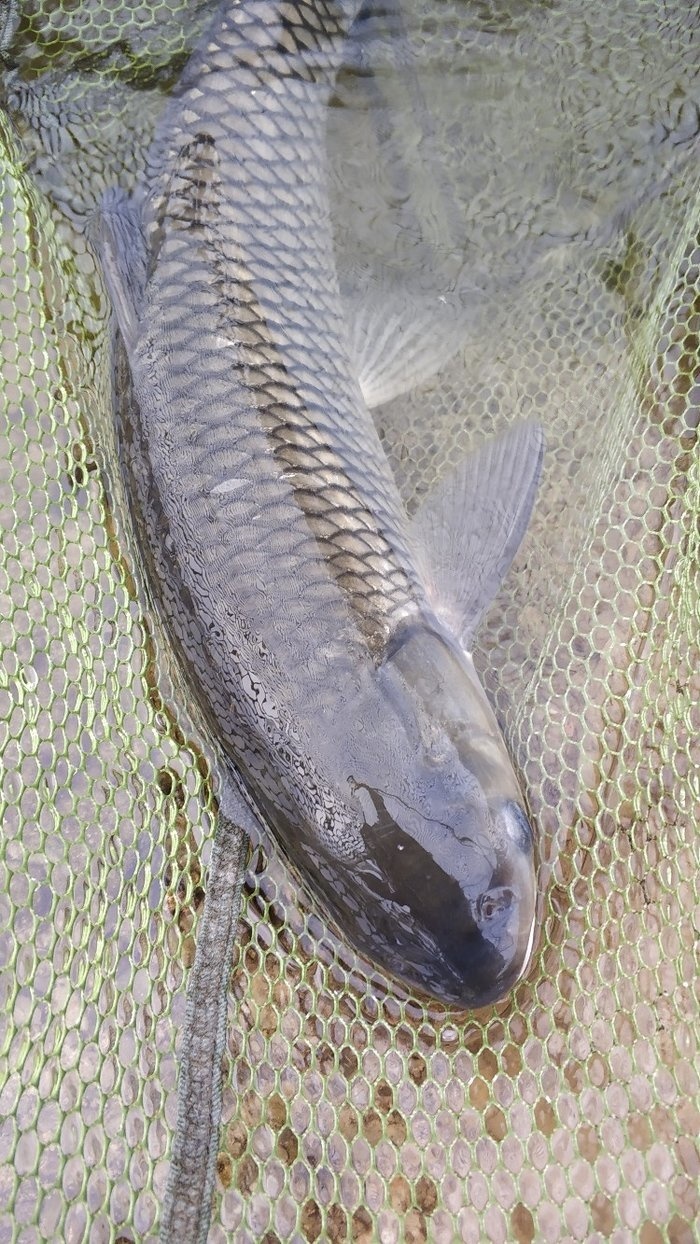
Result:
<point x="444" y="915"/>
<point x="444" y="894"/>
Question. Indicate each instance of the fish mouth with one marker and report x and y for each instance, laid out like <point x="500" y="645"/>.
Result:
<point x="472" y="967"/>
<point x="482" y="963"/>
<point x="461" y="966"/>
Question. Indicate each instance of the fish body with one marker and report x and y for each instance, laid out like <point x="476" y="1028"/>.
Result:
<point x="326" y="635"/>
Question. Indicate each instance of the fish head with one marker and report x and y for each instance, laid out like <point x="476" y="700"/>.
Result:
<point x="449" y="869"/>
<point x="445" y="914"/>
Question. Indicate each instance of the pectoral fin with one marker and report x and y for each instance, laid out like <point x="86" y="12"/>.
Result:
<point x="399" y="336"/>
<point x="234" y="805"/>
<point x="469" y="528"/>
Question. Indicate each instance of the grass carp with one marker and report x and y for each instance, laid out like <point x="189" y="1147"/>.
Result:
<point x="325" y="633"/>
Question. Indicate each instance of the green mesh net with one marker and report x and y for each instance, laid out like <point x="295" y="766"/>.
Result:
<point x="353" y="1112"/>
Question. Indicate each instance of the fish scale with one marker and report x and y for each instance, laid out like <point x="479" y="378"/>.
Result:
<point x="298" y="383"/>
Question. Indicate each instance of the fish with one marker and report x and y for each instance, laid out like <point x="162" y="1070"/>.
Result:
<point x="326" y="635"/>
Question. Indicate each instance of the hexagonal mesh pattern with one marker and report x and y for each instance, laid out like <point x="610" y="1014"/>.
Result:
<point x="353" y="1112"/>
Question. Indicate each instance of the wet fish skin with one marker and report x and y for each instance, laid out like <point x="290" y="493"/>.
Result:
<point x="308" y="612"/>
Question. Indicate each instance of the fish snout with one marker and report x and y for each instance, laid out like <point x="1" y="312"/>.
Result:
<point x="490" y="949"/>
<point x="488" y="940"/>
<point x="499" y="944"/>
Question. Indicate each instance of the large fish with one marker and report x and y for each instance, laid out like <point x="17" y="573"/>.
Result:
<point x="326" y="636"/>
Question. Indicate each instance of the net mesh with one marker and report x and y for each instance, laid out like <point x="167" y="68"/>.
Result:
<point x="353" y="1112"/>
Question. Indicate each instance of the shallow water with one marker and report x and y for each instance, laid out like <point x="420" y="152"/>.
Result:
<point x="554" y="201"/>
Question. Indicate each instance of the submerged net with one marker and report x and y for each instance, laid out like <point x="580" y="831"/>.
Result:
<point x="567" y="135"/>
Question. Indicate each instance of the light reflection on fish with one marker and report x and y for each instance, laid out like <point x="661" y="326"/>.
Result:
<point x="326" y="635"/>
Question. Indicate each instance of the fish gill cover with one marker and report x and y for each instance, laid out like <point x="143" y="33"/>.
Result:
<point x="564" y="198"/>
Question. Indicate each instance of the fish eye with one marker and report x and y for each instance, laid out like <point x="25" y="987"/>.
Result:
<point x="494" y="903"/>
